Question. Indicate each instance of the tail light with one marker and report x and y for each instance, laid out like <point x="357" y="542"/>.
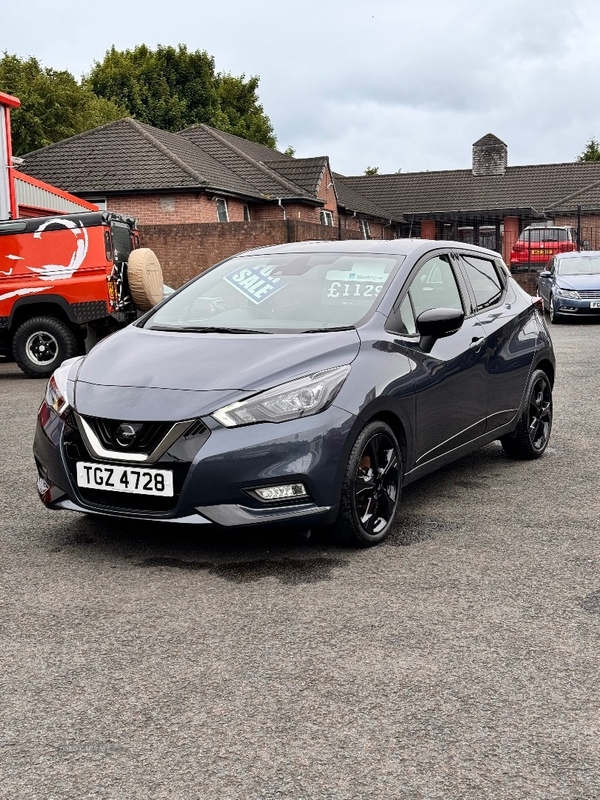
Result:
<point x="113" y="291"/>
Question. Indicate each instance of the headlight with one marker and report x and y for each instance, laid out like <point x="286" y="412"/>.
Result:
<point x="298" y="398"/>
<point x="56" y="390"/>
<point x="567" y="293"/>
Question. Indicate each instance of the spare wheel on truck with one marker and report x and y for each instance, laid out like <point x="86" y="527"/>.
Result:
<point x="145" y="278"/>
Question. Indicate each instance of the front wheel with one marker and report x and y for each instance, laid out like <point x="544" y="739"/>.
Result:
<point x="371" y="487"/>
<point x="41" y="344"/>
<point x="532" y="434"/>
<point x="554" y="317"/>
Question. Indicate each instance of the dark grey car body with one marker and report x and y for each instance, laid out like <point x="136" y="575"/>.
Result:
<point x="467" y="390"/>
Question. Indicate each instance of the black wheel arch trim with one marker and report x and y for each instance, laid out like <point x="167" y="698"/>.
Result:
<point x="42" y="302"/>
<point x="399" y="421"/>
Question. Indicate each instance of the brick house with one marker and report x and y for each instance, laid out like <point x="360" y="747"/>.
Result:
<point x="490" y="203"/>
<point x="201" y="195"/>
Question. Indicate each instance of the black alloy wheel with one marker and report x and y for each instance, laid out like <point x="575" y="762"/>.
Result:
<point x="371" y="488"/>
<point x="41" y="344"/>
<point x="532" y="433"/>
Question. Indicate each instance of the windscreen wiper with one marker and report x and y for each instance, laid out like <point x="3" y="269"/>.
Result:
<point x="202" y="329"/>
<point x="326" y="330"/>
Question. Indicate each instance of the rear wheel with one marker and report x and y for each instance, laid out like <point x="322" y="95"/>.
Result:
<point x="371" y="487"/>
<point x="41" y="344"/>
<point x="532" y="433"/>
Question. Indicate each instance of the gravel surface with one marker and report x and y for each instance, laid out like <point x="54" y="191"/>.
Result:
<point x="457" y="660"/>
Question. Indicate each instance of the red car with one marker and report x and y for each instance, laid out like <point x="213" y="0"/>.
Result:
<point x="537" y="244"/>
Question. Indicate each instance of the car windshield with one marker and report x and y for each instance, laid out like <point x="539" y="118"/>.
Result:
<point x="582" y="265"/>
<point x="295" y="292"/>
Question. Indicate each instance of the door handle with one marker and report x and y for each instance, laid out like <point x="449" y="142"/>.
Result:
<point x="477" y="344"/>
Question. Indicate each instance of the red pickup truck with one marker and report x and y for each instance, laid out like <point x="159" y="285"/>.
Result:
<point x="67" y="280"/>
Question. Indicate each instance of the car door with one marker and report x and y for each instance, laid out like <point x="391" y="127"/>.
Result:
<point x="451" y="380"/>
<point x="511" y="334"/>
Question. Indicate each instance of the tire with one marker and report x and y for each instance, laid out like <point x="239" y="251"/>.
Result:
<point x="532" y="434"/>
<point x="555" y="319"/>
<point x="41" y="344"/>
<point x="145" y="278"/>
<point x="369" y="503"/>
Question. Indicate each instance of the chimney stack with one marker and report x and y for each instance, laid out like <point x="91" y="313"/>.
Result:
<point x="490" y="156"/>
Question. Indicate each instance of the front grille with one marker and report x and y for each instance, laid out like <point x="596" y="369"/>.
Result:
<point x="70" y="419"/>
<point x="197" y="429"/>
<point x="589" y="294"/>
<point x="148" y="434"/>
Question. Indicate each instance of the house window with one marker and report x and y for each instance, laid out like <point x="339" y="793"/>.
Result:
<point x="363" y="225"/>
<point x="99" y="201"/>
<point x="222" y="214"/>
<point x="325" y="217"/>
<point x="246" y="214"/>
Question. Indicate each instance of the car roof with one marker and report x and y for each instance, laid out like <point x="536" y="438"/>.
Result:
<point x="551" y="227"/>
<point x="579" y="254"/>
<point x="371" y="246"/>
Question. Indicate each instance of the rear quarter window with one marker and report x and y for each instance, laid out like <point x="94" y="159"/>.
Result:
<point x="485" y="280"/>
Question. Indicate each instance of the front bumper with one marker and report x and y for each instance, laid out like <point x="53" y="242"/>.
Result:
<point x="213" y="474"/>
<point x="575" y="308"/>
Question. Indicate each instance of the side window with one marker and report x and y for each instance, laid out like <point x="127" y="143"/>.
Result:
<point x="484" y="279"/>
<point x="325" y="217"/>
<point x="222" y="211"/>
<point x="434" y="286"/>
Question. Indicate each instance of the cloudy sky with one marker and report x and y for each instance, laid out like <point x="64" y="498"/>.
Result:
<point x="386" y="83"/>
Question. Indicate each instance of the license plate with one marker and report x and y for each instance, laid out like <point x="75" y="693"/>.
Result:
<point x="134" y="480"/>
<point x="595" y="304"/>
<point x="541" y="252"/>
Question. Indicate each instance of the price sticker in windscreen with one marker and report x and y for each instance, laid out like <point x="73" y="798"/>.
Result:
<point x="356" y="286"/>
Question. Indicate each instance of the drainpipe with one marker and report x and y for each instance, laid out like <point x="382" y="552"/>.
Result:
<point x="383" y="227"/>
<point x="282" y="206"/>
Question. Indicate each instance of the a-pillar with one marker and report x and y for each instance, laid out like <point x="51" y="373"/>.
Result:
<point x="511" y="234"/>
<point x="428" y="229"/>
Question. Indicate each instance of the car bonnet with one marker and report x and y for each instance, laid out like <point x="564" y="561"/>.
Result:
<point x="164" y="375"/>
<point x="578" y="282"/>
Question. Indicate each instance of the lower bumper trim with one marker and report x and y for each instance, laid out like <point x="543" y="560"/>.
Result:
<point x="191" y="519"/>
<point x="229" y="515"/>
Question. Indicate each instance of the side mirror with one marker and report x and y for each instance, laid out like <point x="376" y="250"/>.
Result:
<point x="545" y="274"/>
<point x="436" y="323"/>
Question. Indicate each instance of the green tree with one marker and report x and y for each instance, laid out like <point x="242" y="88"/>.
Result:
<point x="240" y="112"/>
<point x="372" y="171"/>
<point x="173" y="88"/>
<point x="53" y="104"/>
<point x="591" y="152"/>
